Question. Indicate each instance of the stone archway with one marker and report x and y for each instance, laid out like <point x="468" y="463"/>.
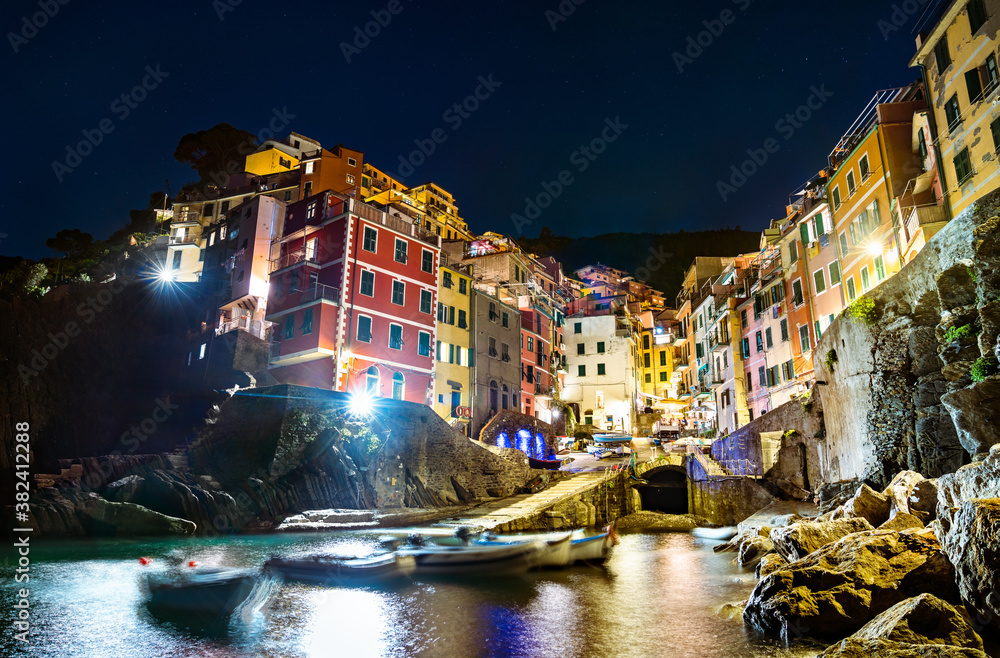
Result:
<point x="665" y="490"/>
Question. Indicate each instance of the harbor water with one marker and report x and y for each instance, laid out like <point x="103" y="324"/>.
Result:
<point x="657" y="595"/>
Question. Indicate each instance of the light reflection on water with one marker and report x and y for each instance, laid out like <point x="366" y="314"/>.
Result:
<point x="658" y="596"/>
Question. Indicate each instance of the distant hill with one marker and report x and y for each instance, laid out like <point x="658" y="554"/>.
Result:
<point x="658" y="258"/>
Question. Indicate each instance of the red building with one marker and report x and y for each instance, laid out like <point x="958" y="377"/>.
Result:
<point x="353" y="293"/>
<point x="536" y="354"/>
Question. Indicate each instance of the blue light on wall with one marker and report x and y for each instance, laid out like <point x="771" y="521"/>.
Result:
<point x="503" y="441"/>
<point x="539" y="446"/>
<point x="524" y="442"/>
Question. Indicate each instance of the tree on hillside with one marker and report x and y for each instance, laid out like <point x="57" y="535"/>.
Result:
<point x="211" y="151"/>
<point x="24" y="280"/>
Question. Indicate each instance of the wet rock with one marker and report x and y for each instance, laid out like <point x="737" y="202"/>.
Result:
<point x="648" y="520"/>
<point x="923" y="619"/>
<point x="844" y="585"/>
<point x="785" y="520"/>
<point x="123" y="490"/>
<point x="971" y="544"/>
<point x="902" y="521"/>
<point x="800" y="539"/>
<point x="101" y="517"/>
<point x="834" y="494"/>
<point x="732" y="611"/>
<point x="769" y="564"/>
<point x="860" y="648"/>
<point x="752" y="550"/>
<point x="977" y="480"/>
<point x="956" y="287"/>
<point x="989" y="316"/>
<point x="975" y="410"/>
<point x="899" y="490"/>
<point x="923" y="499"/>
<point x="868" y="504"/>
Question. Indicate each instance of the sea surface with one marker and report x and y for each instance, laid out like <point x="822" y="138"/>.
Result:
<point x="657" y="595"/>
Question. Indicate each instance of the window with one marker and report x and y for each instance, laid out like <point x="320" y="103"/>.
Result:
<point x="663" y="376"/>
<point x="645" y="341"/>
<point x="760" y="341"/>
<point x="768" y="339"/>
<point x="581" y="371"/>
<point x="836" y="197"/>
<point x="879" y="268"/>
<point x="580" y="347"/>
<point x="746" y="348"/>
<point x="427" y="261"/>
<point x="793" y="251"/>
<point x="788" y="370"/>
<point x="396" y="336"/>
<point x="865" y="282"/>
<point x="851" y="185"/>
<point x="493" y="312"/>
<point x="749" y="380"/>
<point x="505" y="352"/>
<point x="311" y="249"/>
<point x="797" y="298"/>
<point x="462" y="322"/>
<point x="308" y="188"/>
<point x="645" y="361"/>
<point x="973" y="85"/>
<point x="398" y="293"/>
<point x="307" y="321"/>
<point x="577" y="327"/>
<point x="424" y="344"/>
<point x="922" y="144"/>
<point x="426" y="300"/>
<point x="351" y="162"/>
<point x="177" y="259"/>
<point x="864" y="168"/>
<point x="819" y="278"/>
<point x="371" y="381"/>
<point x="505" y="320"/>
<point x="834" y="273"/>
<point x="367" y="286"/>
<point x="941" y="54"/>
<point x="762" y="375"/>
<point x="851" y="292"/>
<point x="648" y="377"/>
<point x="992" y="77"/>
<point x="804" y="338"/>
<point x="744" y="322"/>
<point x="952" y="112"/>
<point x="463" y="286"/>
<point x="784" y="329"/>
<point x="963" y="166"/>
<point x="364" y="329"/>
<point x="699" y="350"/>
<point x="400" y="254"/>
<point x="289" y="326"/>
<point x="843" y="244"/>
<point x="206" y="210"/>
<point x="531" y="344"/>
<point x="600" y="347"/>
<point x="663" y="359"/>
<point x="370" y="241"/>
<point x="493" y="347"/>
<point x="977" y="15"/>
<point x="600" y="368"/>
<point x="994" y="128"/>
<point x="309" y="167"/>
<point x="397" y="386"/>
<point x="288" y="195"/>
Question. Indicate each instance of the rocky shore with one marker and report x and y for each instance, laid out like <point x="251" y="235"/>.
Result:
<point x="912" y="570"/>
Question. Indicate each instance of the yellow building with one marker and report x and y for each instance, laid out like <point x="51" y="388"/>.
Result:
<point x="454" y="356"/>
<point x="656" y="357"/>
<point x="429" y="204"/>
<point x="958" y="57"/>
<point x="272" y="160"/>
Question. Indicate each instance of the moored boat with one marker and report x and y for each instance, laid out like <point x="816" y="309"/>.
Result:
<point x="204" y="593"/>
<point x="475" y="559"/>
<point x="340" y="570"/>
<point x="549" y="464"/>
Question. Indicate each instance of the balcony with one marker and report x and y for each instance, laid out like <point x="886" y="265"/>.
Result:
<point x="290" y="259"/>
<point x="918" y="216"/>
<point x="187" y="240"/>
<point x="259" y="328"/>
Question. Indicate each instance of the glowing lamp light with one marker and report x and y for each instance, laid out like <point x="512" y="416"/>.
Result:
<point x="360" y="403"/>
<point x="165" y="276"/>
<point x="875" y="249"/>
<point x="659" y="330"/>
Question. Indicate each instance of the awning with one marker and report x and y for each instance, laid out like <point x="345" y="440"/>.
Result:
<point x="923" y="182"/>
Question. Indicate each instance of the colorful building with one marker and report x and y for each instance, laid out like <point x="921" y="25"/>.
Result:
<point x="453" y="389"/>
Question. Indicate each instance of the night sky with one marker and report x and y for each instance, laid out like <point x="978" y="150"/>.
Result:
<point x="556" y="90"/>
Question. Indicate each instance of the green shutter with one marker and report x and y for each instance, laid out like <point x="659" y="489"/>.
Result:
<point x="804" y="232"/>
<point x="819" y="224"/>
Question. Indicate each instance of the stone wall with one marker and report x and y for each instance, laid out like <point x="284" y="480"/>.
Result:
<point x="723" y="500"/>
<point x="899" y="394"/>
<point x="509" y="423"/>
<point x="597" y="506"/>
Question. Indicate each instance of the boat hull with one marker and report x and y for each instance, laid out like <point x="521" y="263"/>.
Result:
<point x="343" y="571"/>
<point x="475" y="559"/>
<point x="205" y="596"/>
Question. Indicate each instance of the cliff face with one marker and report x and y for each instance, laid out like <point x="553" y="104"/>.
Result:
<point x="900" y="394"/>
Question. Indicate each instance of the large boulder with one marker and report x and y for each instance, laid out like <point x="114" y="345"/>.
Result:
<point x="868" y="504"/>
<point x="923" y="499"/>
<point x="101" y="517"/>
<point x="975" y="410"/>
<point x="923" y="619"/>
<point x="899" y="489"/>
<point x="752" y="550"/>
<point x="977" y="480"/>
<point x="854" y="647"/>
<point x="972" y="545"/>
<point x="902" y="521"/>
<point x="800" y="539"/>
<point x="769" y="564"/>
<point x="842" y="586"/>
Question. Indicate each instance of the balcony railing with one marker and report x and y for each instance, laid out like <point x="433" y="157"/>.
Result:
<point x="259" y="328"/>
<point x="293" y="258"/>
<point x="921" y="215"/>
<point x="187" y="239"/>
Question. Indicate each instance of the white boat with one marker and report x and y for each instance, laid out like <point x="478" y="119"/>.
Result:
<point x="475" y="559"/>
<point x="336" y="570"/>
<point x="205" y="594"/>
<point x="582" y="546"/>
<point x="718" y="534"/>
<point x="558" y="546"/>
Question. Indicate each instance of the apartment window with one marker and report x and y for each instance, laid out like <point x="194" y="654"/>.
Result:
<point x="493" y="312"/>
<point x="580" y="348"/>
<point x="793" y="251"/>
<point x="788" y="370"/>
<point x="398" y="293"/>
<point x="851" y="291"/>
<point x="370" y="241"/>
<point x="995" y="130"/>
<point x="397" y="386"/>
<point x="290" y="326"/>
<point x="864" y="168"/>
<point x="577" y="327"/>
<point x="427" y="261"/>
<point x="293" y="282"/>
<point x="819" y="278"/>
<point x="600" y="368"/>
<point x="851" y="184"/>
<point x="581" y="371"/>
<point x="424" y="344"/>
<point x="768" y="339"/>
<point x="505" y="320"/>
<point x="760" y="341"/>
<point x="206" y="210"/>
<point x="645" y="361"/>
<point x="973" y="85"/>
<point x="400" y="253"/>
<point x="288" y="195"/>
<point x="797" y="298"/>
<point x="963" y="166"/>
<point x="600" y="347"/>
<point x="309" y="167"/>
<point x="463" y="286"/>
<point x="784" y="329"/>
<point x="451" y="315"/>
<point x="762" y="375"/>
<point x="699" y="350"/>
<point x="201" y="259"/>
<point x="177" y="259"/>
<point x="836" y="197"/>
<point x="952" y="112"/>
<point x="447" y="283"/>
<point x="313" y="281"/>
<point x="663" y="376"/>
<point x="367" y="287"/>
<point x="746" y="348"/>
<point x="879" y="268"/>
<point x="307" y="321"/>
<point x="744" y="322"/>
<point x="663" y="359"/>
<point x="843" y="244"/>
<point x="308" y="189"/>
<point x="865" y="282"/>
<point x="396" y="336"/>
<point x="648" y="377"/>
<point x="992" y="77"/>
<point x="311" y="248"/>
<point x="834" y="273"/>
<point x="531" y="344"/>
<point x="922" y="143"/>
<point x="351" y="162"/>
<point x="804" y="338"/>
<point x="493" y="347"/>
<point x="645" y="342"/>
<point x="364" y="329"/>
<point x="426" y="301"/>
<point x="442" y="315"/>
<point x="462" y="322"/>
<point x="977" y="15"/>
<point x="941" y="54"/>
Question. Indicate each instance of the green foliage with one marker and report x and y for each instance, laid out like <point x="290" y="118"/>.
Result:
<point x="862" y="310"/>
<point x="983" y="368"/>
<point x="972" y="274"/>
<point x="789" y="434"/>
<point x="24" y="280"/>
<point x="211" y="151"/>
<point x="807" y="402"/>
<point x="954" y="333"/>
<point x="830" y="360"/>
